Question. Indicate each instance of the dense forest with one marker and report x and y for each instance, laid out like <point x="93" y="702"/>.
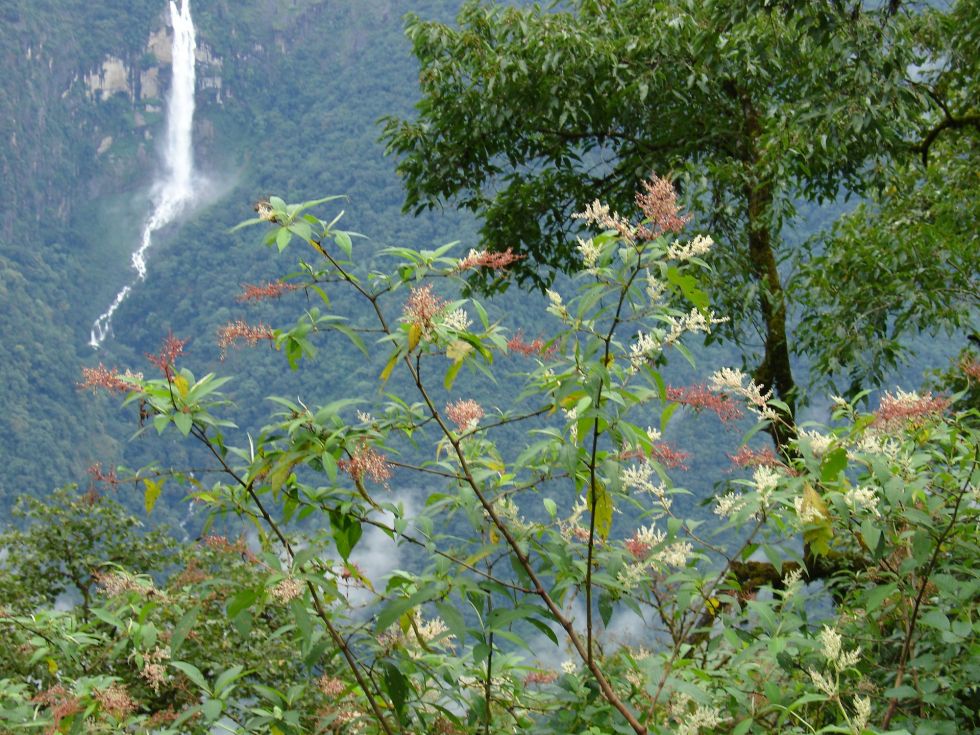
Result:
<point x="600" y="367"/>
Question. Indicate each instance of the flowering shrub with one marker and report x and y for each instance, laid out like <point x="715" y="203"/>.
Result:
<point x="845" y="602"/>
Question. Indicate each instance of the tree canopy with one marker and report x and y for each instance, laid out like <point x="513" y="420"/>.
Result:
<point x="530" y="113"/>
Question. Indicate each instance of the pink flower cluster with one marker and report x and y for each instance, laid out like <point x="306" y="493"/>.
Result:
<point x="465" y="414"/>
<point x="903" y="408"/>
<point x="488" y="259"/>
<point x="103" y="377"/>
<point x="700" y="398"/>
<point x="423" y="309"/>
<point x="262" y="291"/>
<point x="240" y="331"/>
<point x="658" y="202"/>
<point x="520" y="346"/>
<point x="748" y="457"/>
<point x="366" y="460"/>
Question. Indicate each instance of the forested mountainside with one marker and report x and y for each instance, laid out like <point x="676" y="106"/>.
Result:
<point x="288" y="94"/>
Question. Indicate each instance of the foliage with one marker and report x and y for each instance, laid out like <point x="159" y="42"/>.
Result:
<point x="908" y="260"/>
<point x="528" y="112"/>
<point x="538" y="552"/>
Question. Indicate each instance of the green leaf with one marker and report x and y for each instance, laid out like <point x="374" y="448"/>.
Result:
<point x="397" y="686"/>
<point x="606" y="606"/>
<point x="212" y="709"/>
<point x="833" y="464"/>
<point x="282" y="238"/>
<point x="241" y="601"/>
<point x="226" y="678"/>
<point x="344" y="242"/>
<point x="183" y="422"/>
<point x="871" y="533"/>
<point x="451" y="374"/>
<point x="182" y="628"/>
<point x="346" y="532"/>
<point x="193" y="673"/>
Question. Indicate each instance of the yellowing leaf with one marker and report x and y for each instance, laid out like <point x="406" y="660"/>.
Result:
<point x="52" y="666"/>
<point x="152" y="493"/>
<point x="602" y="510"/>
<point x="180" y="383"/>
<point x="386" y="373"/>
<point x="818" y="532"/>
<point x="414" y="335"/>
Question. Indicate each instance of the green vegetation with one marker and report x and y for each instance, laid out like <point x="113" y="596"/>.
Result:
<point x="467" y="507"/>
<point x="511" y="567"/>
<point x="529" y="113"/>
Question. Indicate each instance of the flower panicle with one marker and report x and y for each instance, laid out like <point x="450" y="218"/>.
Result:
<point x="239" y="331"/>
<point x="109" y="379"/>
<point x="701" y="398"/>
<point x="658" y="202"/>
<point x="264" y="291"/>
<point x="489" y="259"/>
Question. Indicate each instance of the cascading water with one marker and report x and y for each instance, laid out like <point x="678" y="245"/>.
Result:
<point x="176" y="189"/>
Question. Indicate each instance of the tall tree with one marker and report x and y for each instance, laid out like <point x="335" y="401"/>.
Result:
<point x="527" y="114"/>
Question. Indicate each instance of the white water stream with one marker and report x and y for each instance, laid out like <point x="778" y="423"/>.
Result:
<point x="176" y="189"/>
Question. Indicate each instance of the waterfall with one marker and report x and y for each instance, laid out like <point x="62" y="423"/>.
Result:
<point x="176" y="188"/>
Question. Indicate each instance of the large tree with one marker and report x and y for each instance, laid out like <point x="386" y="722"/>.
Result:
<point x="528" y="114"/>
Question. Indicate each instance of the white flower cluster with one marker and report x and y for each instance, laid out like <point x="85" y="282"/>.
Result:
<point x="639" y="477"/>
<point x="702" y="717"/>
<point x="631" y="575"/>
<point x="457" y="320"/>
<point x="645" y="348"/>
<point x="873" y="442"/>
<point x="806" y="511"/>
<point x="655" y="288"/>
<point x="862" y="713"/>
<point x="589" y="252"/>
<point x="698" y="246"/>
<point x="555" y="304"/>
<point x="695" y="322"/>
<point x="792" y="583"/>
<point x="862" y="498"/>
<point x="766" y="480"/>
<point x="819" y="443"/>
<point x="675" y="555"/>
<point x="729" y="504"/>
<point x="833" y="650"/>
<point x="732" y="380"/>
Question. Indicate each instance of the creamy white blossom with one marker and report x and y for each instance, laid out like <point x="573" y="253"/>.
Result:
<point x="655" y="288"/>
<point x="457" y="320"/>
<point x="569" y="666"/>
<point x="645" y="348"/>
<point x="862" y="498"/>
<point x="675" y="555"/>
<point x="731" y="380"/>
<point x="695" y="322"/>
<point x="825" y="684"/>
<point x="862" y="714"/>
<point x="766" y="480"/>
<point x="792" y="583"/>
<point x="698" y="246"/>
<point x="639" y="477"/>
<point x="819" y="443"/>
<point x="702" y="717"/>
<point x="729" y="504"/>
<point x="589" y="252"/>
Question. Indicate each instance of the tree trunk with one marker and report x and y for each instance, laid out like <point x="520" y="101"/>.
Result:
<point x="775" y="372"/>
